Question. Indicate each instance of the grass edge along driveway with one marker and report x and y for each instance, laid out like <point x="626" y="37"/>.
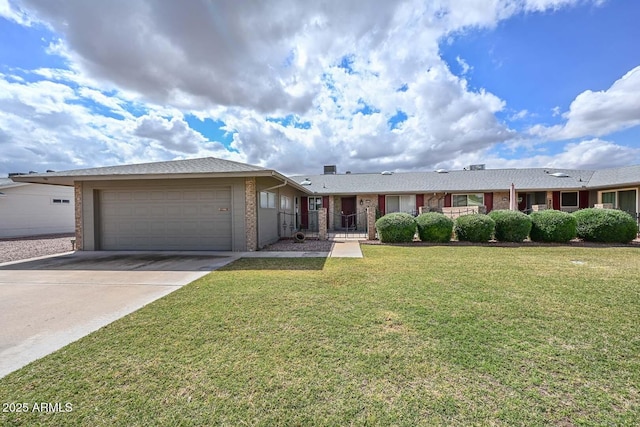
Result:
<point x="405" y="336"/>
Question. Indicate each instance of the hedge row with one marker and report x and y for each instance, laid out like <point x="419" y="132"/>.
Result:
<point x="593" y="225"/>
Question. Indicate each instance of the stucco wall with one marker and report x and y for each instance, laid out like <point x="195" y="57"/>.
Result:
<point x="29" y="210"/>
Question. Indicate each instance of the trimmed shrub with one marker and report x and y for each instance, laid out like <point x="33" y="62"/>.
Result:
<point x="434" y="227"/>
<point x="605" y="225"/>
<point x="396" y="227"/>
<point x="474" y="228"/>
<point x="511" y="226"/>
<point x="552" y="226"/>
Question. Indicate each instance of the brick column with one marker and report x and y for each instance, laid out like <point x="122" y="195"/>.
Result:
<point x="371" y="223"/>
<point x="251" y="214"/>
<point x="322" y="224"/>
<point x="77" y="193"/>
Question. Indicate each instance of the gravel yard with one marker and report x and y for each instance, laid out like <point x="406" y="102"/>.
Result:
<point x="309" y="245"/>
<point x="18" y="248"/>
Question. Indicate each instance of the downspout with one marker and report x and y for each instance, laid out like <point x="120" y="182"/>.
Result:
<point x="285" y="182"/>
<point x="276" y="186"/>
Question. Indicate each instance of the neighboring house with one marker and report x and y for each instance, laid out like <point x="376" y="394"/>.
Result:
<point x="214" y="204"/>
<point x="454" y="192"/>
<point x="34" y="209"/>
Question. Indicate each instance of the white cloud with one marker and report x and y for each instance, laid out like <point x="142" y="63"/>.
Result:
<point x="463" y="65"/>
<point x="601" y="112"/>
<point x="51" y="125"/>
<point x="588" y="154"/>
<point x="12" y="13"/>
<point x="522" y="114"/>
<point x="243" y="63"/>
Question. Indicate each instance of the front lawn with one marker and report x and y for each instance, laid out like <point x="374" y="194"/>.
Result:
<point x="406" y="336"/>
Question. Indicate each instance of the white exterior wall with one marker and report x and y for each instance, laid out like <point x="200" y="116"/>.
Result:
<point x="28" y="210"/>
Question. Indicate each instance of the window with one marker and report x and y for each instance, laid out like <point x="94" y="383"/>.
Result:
<point x="569" y="199"/>
<point x="285" y="203"/>
<point x="60" y="201"/>
<point x="468" y="200"/>
<point x="405" y="203"/>
<point x="625" y="199"/>
<point x="315" y="203"/>
<point x="267" y="200"/>
<point x="609" y="197"/>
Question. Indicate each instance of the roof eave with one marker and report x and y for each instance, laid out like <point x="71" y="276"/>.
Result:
<point x="69" y="180"/>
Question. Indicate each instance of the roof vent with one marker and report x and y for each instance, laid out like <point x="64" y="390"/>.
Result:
<point x="330" y="170"/>
<point x="476" y="167"/>
<point x="560" y="175"/>
<point x="442" y="171"/>
<point x="386" y="173"/>
<point x="306" y="182"/>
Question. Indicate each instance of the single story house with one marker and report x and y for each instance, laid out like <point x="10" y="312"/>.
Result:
<point x="215" y="204"/>
<point x="198" y="204"/>
<point x="34" y="209"/>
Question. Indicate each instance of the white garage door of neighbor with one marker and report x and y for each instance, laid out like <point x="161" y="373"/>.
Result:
<point x="166" y="219"/>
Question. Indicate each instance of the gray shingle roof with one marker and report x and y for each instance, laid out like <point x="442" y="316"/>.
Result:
<point x="615" y="177"/>
<point x="203" y="165"/>
<point x="411" y="182"/>
<point x="453" y="181"/>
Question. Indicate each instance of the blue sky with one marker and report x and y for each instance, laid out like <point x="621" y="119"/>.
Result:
<point x="394" y="86"/>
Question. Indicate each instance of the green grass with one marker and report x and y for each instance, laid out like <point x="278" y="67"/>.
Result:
<point x="406" y="336"/>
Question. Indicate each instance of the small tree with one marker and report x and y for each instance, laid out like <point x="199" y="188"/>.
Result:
<point x="474" y="228"/>
<point x="434" y="227"/>
<point x="396" y="227"/>
<point x="552" y="226"/>
<point x="511" y="226"/>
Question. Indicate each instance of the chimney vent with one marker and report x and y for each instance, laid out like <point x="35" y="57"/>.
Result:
<point x="330" y="170"/>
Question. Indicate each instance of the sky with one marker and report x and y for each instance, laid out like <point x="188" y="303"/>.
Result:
<point x="295" y="85"/>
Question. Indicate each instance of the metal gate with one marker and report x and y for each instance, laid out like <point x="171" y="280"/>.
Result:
<point x="349" y="225"/>
<point x="290" y="223"/>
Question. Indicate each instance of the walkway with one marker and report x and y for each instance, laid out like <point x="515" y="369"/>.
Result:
<point x="346" y="249"/>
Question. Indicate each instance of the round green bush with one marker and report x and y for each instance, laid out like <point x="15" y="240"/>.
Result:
<point x="605" y="225"/>
<point x="474" y="228"/>
<point x="434" y="227"/>
<point x="552" y="226"/>
<point x="396" y="227"/>
<point x="511" y="226"/>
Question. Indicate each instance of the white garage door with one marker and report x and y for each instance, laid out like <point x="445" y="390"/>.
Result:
<point x="166" y="219"/>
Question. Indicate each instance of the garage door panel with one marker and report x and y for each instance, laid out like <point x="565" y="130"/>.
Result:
<point x="166" y="219"/>
<point x="174" y="195"/>
<point x="124" y="196"/>
<point x="190" y="210"/>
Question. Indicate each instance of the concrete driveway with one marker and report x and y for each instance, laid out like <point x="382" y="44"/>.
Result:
<point x="48" y="303"/>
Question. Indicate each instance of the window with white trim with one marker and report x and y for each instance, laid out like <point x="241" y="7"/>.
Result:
<point x="569" y="199"/>
<point x="315" y="203"/>
<point x="624" y="199"/>
<point x="401" y="203"/>
<point x="267" y="200"/>
<point x="609" y="197"/>
<point x="285" y="203"/>
<point x="60" y="201"/>
<point x="460" y="200"/>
